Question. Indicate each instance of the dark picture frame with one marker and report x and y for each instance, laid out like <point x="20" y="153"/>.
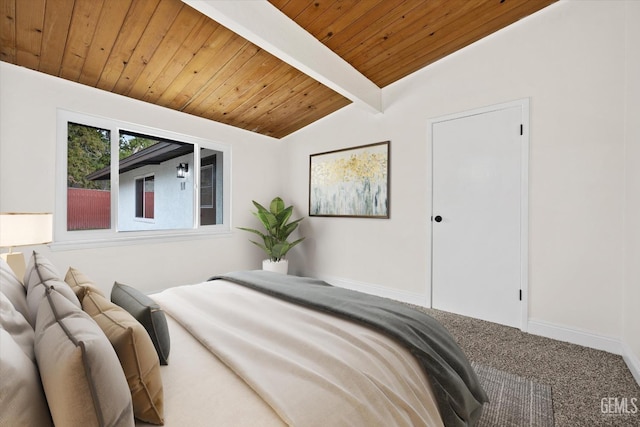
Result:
<point x="351" y="182"/>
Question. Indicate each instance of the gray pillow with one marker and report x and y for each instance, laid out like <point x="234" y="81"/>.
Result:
<point x="148" y="312"/>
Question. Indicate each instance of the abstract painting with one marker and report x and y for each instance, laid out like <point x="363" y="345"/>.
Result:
<point x="352" y="182"/>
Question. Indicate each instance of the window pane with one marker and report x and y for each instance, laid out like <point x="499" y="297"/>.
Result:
<point x="148" y="184"/>
<point x="210" y="182"/>
<point x="139" y="198"/>
<point x="88" y="196"/>
<point x="151" y="196"/>
<point x="206" y="177"/>
<point x="148" y="197"/>
<point x="206" y="187"/>
<point x="144" y="197"/>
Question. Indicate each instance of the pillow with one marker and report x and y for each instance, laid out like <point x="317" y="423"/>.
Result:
<point x="12" y="287"/>
<point x="136" y="353"/>
<point x="147" y="312"/>
<point x="22" y="400"/>
<point x="39" y="276"/>
<point x="80" y="371"/>
<point x="45" y="268"/>
<point x="80" y="283"/>
<point x="14" y="323"/>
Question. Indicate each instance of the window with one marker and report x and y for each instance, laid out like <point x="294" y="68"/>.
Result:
<point x="144" y="197"/>
<point x="122" y="181"/>
<point x="210" y="188"/>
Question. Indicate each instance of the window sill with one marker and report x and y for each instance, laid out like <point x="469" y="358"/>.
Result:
<point x="130" y="239"/>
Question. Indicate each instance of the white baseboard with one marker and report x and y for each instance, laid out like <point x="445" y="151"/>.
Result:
<point x="632" y="361"/>
<point x="575" y="336"/>
<point x="381" y="291"/>
<point x="588" y="339"/>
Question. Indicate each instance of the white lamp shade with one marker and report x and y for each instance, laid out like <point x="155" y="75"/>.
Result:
<point x="24" y="229"/>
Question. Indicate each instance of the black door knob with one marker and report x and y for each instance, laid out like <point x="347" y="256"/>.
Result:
<point x="437" y="218"/>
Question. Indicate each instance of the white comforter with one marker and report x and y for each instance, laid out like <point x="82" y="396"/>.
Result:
<point x="313" y="369"/>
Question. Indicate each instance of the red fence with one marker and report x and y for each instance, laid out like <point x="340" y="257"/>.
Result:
<point x="88" y="209"/>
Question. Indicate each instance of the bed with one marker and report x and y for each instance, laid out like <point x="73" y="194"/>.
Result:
<point x="244" y="349"/>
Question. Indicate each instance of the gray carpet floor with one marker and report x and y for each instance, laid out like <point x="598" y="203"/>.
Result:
<point x="580" y="377"/>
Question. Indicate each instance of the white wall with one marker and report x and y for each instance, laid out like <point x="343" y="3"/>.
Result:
<point x="173" y="197"/>
<point x="28" y="103"/>
<point x="574" y="77"/>
<point x="631" y="292"/>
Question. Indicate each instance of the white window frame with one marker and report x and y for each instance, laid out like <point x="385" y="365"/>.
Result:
<point x="65" y="239"/>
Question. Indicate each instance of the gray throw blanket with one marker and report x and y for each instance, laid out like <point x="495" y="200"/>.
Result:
<point x="454" y="383"/>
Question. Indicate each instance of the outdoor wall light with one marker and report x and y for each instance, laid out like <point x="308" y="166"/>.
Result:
<point x="182" y="169"/>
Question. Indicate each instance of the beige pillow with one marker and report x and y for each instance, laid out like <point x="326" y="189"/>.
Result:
<point x="136" y="353"/>
<point x="80" y="283"/>
<point x="13" y="288"/>
<point x="22" y="401"/>
<point x="40" y="275"/>
<point x="80" y="371"/>
<point x="17" y="326"/>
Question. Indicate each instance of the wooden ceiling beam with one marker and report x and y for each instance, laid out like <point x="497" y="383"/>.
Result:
<point x="264" y="25"/>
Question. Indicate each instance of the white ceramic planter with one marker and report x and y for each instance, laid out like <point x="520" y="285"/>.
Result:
<point x="281" y="266"/>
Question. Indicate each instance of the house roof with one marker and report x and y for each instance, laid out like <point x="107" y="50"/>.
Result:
<point x="267" y="67"/>
<point x="154" y="155"/>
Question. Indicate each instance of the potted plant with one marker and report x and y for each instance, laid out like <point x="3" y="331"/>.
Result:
<point x="277" y="230"/>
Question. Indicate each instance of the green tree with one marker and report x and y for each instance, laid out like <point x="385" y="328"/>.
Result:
<point x="130" y="145"/>
<point x="87" y="151"/>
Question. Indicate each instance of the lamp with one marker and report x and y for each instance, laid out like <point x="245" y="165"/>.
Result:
<point x="182" y="168"/>
<point x="23" y="229"/>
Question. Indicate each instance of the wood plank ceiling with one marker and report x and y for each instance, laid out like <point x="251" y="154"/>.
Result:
<point x="166" y="53"/>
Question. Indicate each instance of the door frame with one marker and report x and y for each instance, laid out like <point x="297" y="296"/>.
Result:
<point x="523" y="104"/>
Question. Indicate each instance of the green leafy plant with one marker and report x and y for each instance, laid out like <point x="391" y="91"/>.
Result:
<point x="277" y="228"/>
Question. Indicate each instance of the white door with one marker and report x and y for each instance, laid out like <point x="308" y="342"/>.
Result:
<point x="477" y="238"/>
